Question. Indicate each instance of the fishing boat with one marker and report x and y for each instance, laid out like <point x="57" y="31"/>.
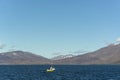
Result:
<point x="52" y="69"/>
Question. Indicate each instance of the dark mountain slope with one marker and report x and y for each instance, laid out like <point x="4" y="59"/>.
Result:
<point x="21" y="57"/>
<point x="106" y="55"/>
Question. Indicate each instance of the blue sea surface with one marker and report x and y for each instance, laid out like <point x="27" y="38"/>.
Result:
<point x="63" y="72"/>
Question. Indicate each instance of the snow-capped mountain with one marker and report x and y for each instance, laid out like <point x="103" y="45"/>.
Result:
<point x="62" y="57"/>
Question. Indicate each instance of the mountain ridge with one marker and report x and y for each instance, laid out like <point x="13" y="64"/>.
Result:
<point x="106" y="55"/>
<point x="22" y="57"/>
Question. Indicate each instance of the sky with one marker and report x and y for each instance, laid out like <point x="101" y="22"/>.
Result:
<point x="56" y="27"/>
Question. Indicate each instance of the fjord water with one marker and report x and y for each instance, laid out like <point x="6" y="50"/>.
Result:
<point x="63" y="72"/>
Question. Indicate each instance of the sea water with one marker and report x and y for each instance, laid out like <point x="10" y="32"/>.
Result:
<point x="63" y="72"/>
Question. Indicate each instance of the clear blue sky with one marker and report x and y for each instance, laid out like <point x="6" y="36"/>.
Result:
<point x="45" y="27"/>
